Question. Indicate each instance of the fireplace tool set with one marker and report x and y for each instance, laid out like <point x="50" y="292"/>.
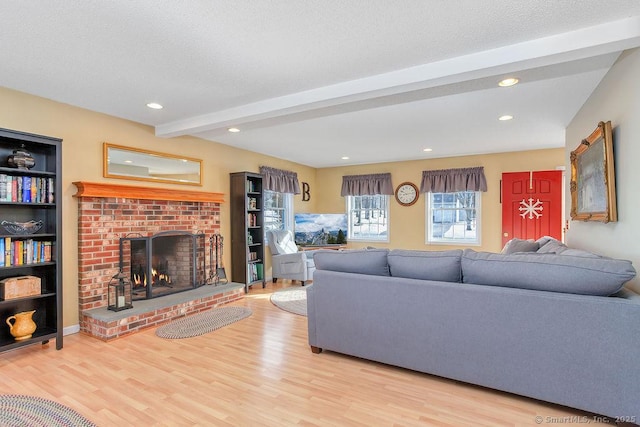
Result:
<point x="216" y="270"/>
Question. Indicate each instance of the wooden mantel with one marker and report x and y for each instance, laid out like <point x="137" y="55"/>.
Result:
<point x="99" y="189"/>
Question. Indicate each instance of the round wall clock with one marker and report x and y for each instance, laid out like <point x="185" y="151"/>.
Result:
<point x="407" y="194"/>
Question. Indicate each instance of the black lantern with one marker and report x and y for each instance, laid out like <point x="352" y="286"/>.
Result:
<point x="119" y="292"/>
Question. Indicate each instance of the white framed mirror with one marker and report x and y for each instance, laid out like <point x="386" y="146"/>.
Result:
<point x="143" y="165"/>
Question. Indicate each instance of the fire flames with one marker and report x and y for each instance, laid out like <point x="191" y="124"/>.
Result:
<point x="140" y="280"/>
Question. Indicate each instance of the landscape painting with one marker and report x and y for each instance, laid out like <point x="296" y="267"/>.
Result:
<point x="320" y="229"/>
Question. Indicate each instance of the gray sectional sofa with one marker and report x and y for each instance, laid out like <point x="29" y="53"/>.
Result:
<point x="547" y="324"/>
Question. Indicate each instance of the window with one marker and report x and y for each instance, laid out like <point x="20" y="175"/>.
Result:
<point x="368" y="218"/>
<point x="278" y="211"/>
<point x="453" y="218"/>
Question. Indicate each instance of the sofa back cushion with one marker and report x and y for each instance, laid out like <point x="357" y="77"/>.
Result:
<point x="549" y="245"/>
<point x="362" y="261"/>
<point x="444" y="266"/>
<point x="547" y="272"/>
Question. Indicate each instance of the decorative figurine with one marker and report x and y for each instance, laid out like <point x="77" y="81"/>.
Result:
<point x="21" y="159"/>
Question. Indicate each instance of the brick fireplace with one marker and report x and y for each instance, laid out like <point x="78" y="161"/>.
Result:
<point x="107" y="213"/>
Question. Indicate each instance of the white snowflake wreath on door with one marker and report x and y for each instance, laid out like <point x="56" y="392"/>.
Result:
<point x="530" y="208"/>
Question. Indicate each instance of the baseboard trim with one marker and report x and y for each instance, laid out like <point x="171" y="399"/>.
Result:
<point x="70" y="330"/>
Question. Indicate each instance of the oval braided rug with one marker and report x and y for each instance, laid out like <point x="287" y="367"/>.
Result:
<point x="20" y="411"/>
<point x="201" y="323"/>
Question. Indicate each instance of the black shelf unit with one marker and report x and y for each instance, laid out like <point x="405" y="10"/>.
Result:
<point x="45" y="208"/>
<point x="247" y="229"/>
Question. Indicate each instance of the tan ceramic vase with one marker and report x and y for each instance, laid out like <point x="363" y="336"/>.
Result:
<point x="23" y="325"/>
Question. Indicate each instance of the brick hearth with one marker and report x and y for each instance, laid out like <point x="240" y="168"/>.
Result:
<point x="106" y="324"/>
<point x="104" y="216"/>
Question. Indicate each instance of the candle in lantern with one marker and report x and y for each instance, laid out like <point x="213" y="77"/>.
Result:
<point x="120" y="301"/>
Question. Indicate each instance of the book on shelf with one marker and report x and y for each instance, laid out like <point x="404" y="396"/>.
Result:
<point x="50" y="191"/>
<point x="3" y="186"/>
<point x="252" y="219"/>
<point x="15" y="251"/>
<point x="255" y="272"/>
<point x="26" y="189"/>
<point x="47" y="251"/>
<point x="251" y="186"/>
<point x="34" y="190"/>
<point x="21" y="252"/>
<point x="7" y="251"/>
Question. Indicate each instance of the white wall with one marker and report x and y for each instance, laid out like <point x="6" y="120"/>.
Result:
<point x="617" y="98"/>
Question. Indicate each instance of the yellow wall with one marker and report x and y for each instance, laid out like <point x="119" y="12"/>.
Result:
<point x="83" y="133"/>
<point x="407" y="224"/>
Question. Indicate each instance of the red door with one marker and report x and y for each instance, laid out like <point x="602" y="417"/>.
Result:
<point x="531" y="205"/>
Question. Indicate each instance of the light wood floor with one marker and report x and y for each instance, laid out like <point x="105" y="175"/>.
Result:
<point x="256" y="372"/>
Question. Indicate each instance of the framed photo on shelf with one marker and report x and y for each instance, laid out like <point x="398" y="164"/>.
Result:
<point x="593" y="188"/>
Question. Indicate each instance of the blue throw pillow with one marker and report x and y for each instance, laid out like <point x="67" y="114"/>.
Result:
<point x="520" y="245"/>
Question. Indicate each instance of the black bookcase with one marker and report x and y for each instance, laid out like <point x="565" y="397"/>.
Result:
<point x="247" y="229"/>
<point x="30" y="230"/>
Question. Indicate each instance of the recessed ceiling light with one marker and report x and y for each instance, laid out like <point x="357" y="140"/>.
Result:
<point x="154" y="105"/>
<point x="505" y="117"/>
<point x="128" y="161"/>
<point x="427" y="150"/>
<point x="508" y="82"/>
<point x="345" y="157"/>
<point x="234" y="130"/>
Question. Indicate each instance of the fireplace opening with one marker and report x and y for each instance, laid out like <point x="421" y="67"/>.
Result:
<point x="164" y="263"/>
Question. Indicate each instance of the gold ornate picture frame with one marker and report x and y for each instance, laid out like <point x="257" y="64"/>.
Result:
<point x="593" y="187"/>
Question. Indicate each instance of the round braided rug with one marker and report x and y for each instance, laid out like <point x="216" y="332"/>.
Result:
<point x="21" y="411"/>
<point x="293" y="299"/>
<point x="201" y="323"/>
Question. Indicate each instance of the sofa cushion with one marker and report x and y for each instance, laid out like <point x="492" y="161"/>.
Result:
<point x="520" y="245"/>
<point x="363" y="261"/>
<point x="547" y="272"/>
<point x="544" y="240"/>
<point x="427" y="265"/>
<point x="549" y="245"/>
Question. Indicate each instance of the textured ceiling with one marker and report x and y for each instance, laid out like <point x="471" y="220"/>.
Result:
<point x="313" y="81"/>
